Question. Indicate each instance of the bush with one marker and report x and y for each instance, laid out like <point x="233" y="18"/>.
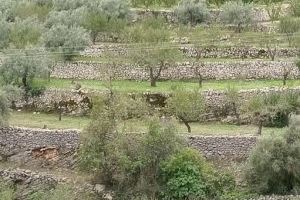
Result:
<point x="274" y="165"/>
<point x="186" y="175"/>
<point x="237" y="13"/>
<point x="192" y="12"/>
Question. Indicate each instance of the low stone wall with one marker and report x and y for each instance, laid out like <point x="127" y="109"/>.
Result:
<point x="180" y="71"/>
<point x="189" y="50"/>
<point x="42" y="147"/>
<point x="63" y="144"/>
<point x="224" y="146"/>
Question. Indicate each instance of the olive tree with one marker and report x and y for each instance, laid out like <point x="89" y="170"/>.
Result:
<point x="21" y="69"/>
<point x="155" y="60"/>
<point x="274" y="108"/>
<point x="192" y="11"/>
<point x="4" y="108"/>
<point x="233" y="102"/>
<point x="108" y="16"/>
<point x="66" y="17"/>
<point x="66" y="41"/>
<point x="153" y="52"/>
<point x="25" y="33"/>
<point x="237" y="13"/>
<point x="187" y="106"/>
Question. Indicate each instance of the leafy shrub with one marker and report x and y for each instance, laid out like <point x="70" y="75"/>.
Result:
<point x="186" y="175"/>
<point x="237" y="13"/>
<point x="127" y="162"/>
<point x="274" y="164"/>
<point x="192" y="12"/>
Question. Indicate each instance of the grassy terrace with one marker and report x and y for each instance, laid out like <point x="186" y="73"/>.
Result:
<point x="29" y="119"/>
<point x="166" y="86"/>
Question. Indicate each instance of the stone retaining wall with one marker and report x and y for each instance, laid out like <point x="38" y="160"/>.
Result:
<point x="73" y="103"/>
<point x="42" y="147"/>
<point x="180" y="71"/>
<point x="189" y="50"/>
<point x="15" y="141"/>
<point x="224" y="146"/>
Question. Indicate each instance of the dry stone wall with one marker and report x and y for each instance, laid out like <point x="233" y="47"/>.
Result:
<point x="215" y="100"/>
<point x="75" y="102"/>
<point x="16" y="141"/>
<point x="42" y="147"/>
<point x="189" y="50"/>
<point x="180" y="71"/>
<point x="224" y="146"/>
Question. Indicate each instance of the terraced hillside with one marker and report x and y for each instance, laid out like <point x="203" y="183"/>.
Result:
<point x="164" y="99"/>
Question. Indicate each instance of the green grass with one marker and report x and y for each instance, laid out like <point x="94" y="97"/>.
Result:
<point x="38" y="120"/>
<point x="29" y="119"/>
<point x="166" y="86"/>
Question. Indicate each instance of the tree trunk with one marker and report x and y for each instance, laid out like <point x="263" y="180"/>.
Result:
<point x="59" y="113"/>
<point x="94" y="37"/>
<point x="186" y="123"/>
<point x="285" y="76"/>
<point x="200" y="80"/>
<point x="260" y="126"/>
<point x="154" y="78"/>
